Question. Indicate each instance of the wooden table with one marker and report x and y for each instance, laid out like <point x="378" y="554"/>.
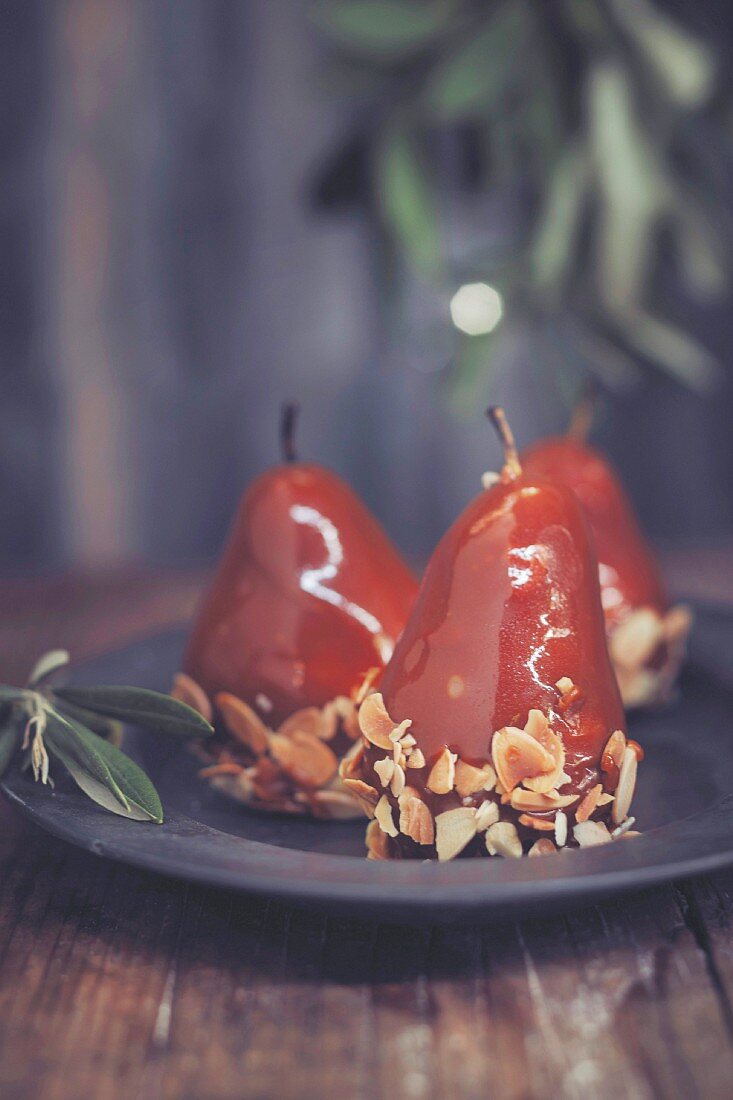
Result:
<point x="116" y="983"/>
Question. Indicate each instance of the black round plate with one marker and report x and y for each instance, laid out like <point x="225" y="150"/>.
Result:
<point x="683" y="804"/>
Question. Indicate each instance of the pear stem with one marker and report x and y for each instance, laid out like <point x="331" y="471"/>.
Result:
<point x="512" y="465"/>
<point x="288" y="417"/>
<point x="581" y="420"/>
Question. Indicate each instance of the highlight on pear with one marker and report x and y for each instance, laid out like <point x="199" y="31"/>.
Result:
<point x="497" y="727"/>
<point x="647" y="636"/>
<point x="303" y="612"/>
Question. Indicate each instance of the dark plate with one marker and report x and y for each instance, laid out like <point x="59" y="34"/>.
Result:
<point x="683" y="804"/>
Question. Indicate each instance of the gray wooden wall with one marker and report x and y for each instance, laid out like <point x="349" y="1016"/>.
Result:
<point x="166" y="282"/>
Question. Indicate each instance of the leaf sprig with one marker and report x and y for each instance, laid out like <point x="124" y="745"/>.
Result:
<point x="81" y="728"/>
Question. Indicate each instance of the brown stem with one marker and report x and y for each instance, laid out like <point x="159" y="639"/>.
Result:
<point x="512" y="465"/>
<point x="288" y="416"/>
<point x="583" y="414"/>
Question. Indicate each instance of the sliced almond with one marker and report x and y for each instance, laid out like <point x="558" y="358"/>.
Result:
<point x="542" y="847"/>
<point x="351" y="762"/>
<point x="242" y="722"/>
<point x="454" y="829"/>
<point x="336" y="805"/>
<point x="589" y="834"/>
<point x="226" y="767"/>
<point x="635" y="639"/>
<point x="676" y="624"/>
<point x="502" y="839"/>
<point x="308" y="720"/>
<point x="397" y="783"/>
<point x="385" y="770"/>
<point x="366" y="685"/>
<point x="589" y="804"/>
<point x="611" y="757"/>
<point x="470" y="779"/>
<point x="530" y="802"/>
<point x="186" y="690"/>
<point x="486" y="814"/>
<point x="538" y="727"/>
<point x="626" y="785"/>
<point x="376" y="842"/>
<point x="623" y="828"/>
<point x="564" y="685"/>
<point x="517" y="755"/>
<point x="374" y="722"/>
<point x="340" y="709"/>
<point x="443" y="772"/>
<point x="541" y="824"/>
<point x="416" y="821"/>
<point x="416" y="759"/>
<point x="304" y="758"/>
<point x="383" y="814"/>
<point x="561" y="828"/>
<point x="366" y="796"/>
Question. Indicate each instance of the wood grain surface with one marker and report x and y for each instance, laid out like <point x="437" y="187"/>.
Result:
<point x="120" y="984"/>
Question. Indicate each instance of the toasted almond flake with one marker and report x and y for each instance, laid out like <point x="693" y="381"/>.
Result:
<point x="538" y="727"/>
<point x="541" y="824"/>
<point x="676" y="623"/>
<point x="186" y="690"/>
<point x="416" y="821"/>
<point x="366" y="685"/>
<point x="564" y="685"/>
<point x="308" y="720"/>
<point x="589" y="834"/>
<point x="385" y="770"/>
<point x="531" y="802"/>
<point x="542" y="847"/>
<point x="589" y="803"/>
<point x="611" y="757"/>
<point x="454" y="829"/>
<point x="408" y="741"/>
<point x="399" y="733"/>
<point x="242" y="722"/>
<point x="486" y="814"/>
<point x="340" y="710"/>
<point x="374" y="722"/>
<point x="536" y="724"/>
<point x="561" y="828"/>
<point x="516" y="755"/>
<point x="443" y="772"/>
<point x="489" y="479"/>
<point x="635" y="639"/>
<point x="502" y="839"/>
<point x="629" y="834"/>
<point x="604" y="799"/>
<point x="304" y="758"/>
<point x="383" y="814"/>
<point x="397" y="783"/>
<point x="416" y="759"/>
<point x="364" y="793"/>
<point x="623" y="827"/>
<point x="226" y="767"/>
<point x="376" y="842"/>
<point x="626" y="785"/>
<point x="352" y="760"/>
<point x="470" y="779"/>
<point x="336" y="805"/>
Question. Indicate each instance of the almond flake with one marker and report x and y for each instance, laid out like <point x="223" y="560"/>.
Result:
<point x="336" y="805"/>
<point x="539" y="728"/>
<point x="564" y="685"/>
<point x="542" y="847"/>
<point x="676" y="624"/>
<point x="376" y="842"/>
<point x="489" y="479"/>
<point x="385" y="770"/>
<point x="416" y="759"/>
<point x="308" y="720"/>
<point x="416" y="821"/>
<point x="454" y="829"/>
<point x="589" y="803"/>
<point x="635" y="639"/>
<point x="611" y="757"/>
<point x="242" y="722"/>
<point x="304" y="758"/>
<point x="502" y="839"/>
<point x="530" y="802"/>
<point x="374" y="722"/>
<point x="471" y="780"/>
<point x="365" y="687"/>
<point x="517" y="755"/>
<point x="397" y="783"/>
<point x="364" y="793"/>
<point x="626" y="785"/>
<point x="443" y="772"/>
<point x="561" y="829"/>
<point x="383" y="814"/>
<point x="352" y="760"/>
<point x="589" y="834"/>
<point x="340" y="710"/>
<point x="186" y="690"/>
<point x="541" y="824"/>
<point x="486" y="814"/>
<point x="623" y="827"/>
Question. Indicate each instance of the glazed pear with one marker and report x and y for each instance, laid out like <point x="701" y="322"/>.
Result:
<point x="309" y="596"/>
<point x="646" y="636"/>
<point x="498" y="727"/>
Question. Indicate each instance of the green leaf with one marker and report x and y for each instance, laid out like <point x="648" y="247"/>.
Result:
<point x="98" y="792"/>
<point x="670" y="349"/>
<point x="390" y="30"/>
<point x="9" y="740"/>
<point x="476" y="75"/>
<point x="556" y="235"/>
<point x="407" y="201"/>
<point x="140" y="707"/>
<point x="65" y="737"/>
<point x="47" y="664"/>
<point x="109" y="728"/>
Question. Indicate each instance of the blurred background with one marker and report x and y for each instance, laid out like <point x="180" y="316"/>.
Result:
<point x="395" y="211"/>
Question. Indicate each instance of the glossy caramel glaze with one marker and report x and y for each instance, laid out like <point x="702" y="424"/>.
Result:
<point x="629" y="575"/>
<point x="309" y="594"/>
<point x="509" y="605"/>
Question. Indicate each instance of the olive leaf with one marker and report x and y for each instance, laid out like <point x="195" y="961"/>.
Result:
<point x="140" y="707"/>
<point x="65" y="737"/>
<point x="408" y="202"/>
<point x="46" y="665"/>
<point x="383" y="29"/>
<point x="98" y="792"/>
<point x="110" y="728"/>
